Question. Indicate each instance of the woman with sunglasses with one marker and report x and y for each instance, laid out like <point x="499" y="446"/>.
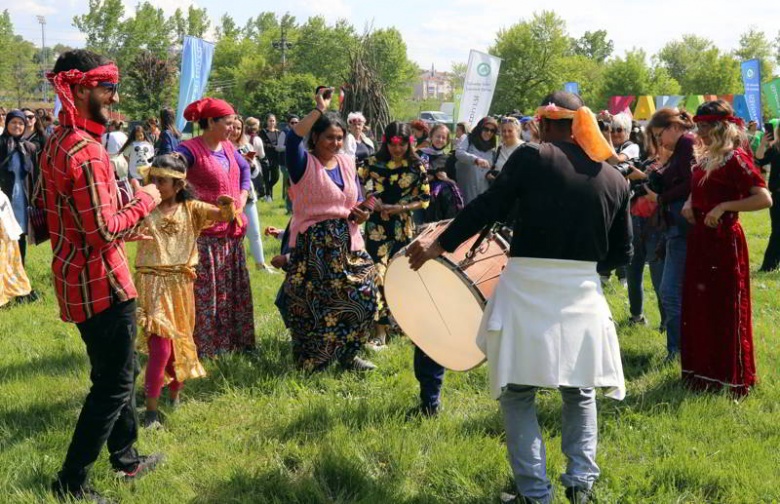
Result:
<point x="672" y="130"/>
<point x="475" y="158"/>
<point x="34" y="131"/>
<point x="510" y="140"/>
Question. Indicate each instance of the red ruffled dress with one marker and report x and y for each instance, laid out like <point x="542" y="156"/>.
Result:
<point x="716" y="339"/>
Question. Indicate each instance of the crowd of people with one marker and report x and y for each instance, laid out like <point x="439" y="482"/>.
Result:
<point x="584" y="194"/>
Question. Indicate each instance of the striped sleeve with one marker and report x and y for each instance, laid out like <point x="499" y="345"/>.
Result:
<point x="101" y="221"/>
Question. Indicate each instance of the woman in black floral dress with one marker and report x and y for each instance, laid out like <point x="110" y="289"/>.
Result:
<point x="398" y="179"/>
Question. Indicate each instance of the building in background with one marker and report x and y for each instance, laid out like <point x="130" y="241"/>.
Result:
<point x="433" y="85"/>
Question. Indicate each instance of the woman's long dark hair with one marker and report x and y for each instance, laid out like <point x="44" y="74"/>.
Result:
<point x="402" y="130"/>
<point x="175" y="162"/>
<point x="322" y="124"/>
<point x="39" y="129"/>
<point x="475" y="137"/>
<point x="131" y="138"/>
<point x="168" y="122"/>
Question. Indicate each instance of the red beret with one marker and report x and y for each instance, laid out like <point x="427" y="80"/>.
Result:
<point x="207" y="108"/>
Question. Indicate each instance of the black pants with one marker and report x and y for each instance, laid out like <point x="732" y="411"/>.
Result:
<point x="271" y="177"/>
<point x="772" y="254"/>
<point x="108" y="415"/>
<point x="430" y="374"/>
<point x="23" y="247"/>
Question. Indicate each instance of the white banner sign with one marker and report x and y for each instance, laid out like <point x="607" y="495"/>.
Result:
<point x="478" y="88"/>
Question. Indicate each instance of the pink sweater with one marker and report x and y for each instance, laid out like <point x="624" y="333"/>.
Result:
<point x="317" y="198"/>
<point x="209" y="180"/>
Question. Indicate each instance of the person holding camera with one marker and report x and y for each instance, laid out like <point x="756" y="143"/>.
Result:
<point x="671" y="129"/>
<point x="616" y="129"/>
<point x="768" y="152"/>
<point x="330" y="292"/>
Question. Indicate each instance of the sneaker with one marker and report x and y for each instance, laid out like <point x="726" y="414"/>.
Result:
<point x="358" y="364"/>
<point x="146" y="464"/>
<point x="637" y="320"/>
<point x="151" y="420"/>
<point x="424" y="410"/>
<point x="577" y="495"/>
<point x="375" y="345"/>
<point x="83" y="494"/>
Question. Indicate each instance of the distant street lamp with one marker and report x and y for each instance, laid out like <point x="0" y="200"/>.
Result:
<point x="283" y="45"/>
<point x="42" y="21"/>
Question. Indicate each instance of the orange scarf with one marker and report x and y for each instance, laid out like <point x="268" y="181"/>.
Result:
<point x="585" y="130"/>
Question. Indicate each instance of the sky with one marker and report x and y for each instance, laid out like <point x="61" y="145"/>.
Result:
<point x="442" y="32"/>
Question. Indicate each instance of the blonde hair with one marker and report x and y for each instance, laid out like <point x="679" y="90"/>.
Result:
<point x="725" y="137"/>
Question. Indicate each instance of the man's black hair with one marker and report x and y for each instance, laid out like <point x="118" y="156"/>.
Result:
<point x="569" y="101"/>
<point x="79" y="59"/>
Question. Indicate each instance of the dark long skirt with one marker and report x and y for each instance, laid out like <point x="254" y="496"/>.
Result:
<point x="330" y="294"/>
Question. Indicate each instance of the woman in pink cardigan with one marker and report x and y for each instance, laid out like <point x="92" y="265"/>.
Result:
<point x="330" y="289"/>
<point x="224" y="319"/>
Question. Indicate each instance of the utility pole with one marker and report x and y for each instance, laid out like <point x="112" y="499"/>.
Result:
<point x="42" y="21"/>
<point x="283" y="45"/>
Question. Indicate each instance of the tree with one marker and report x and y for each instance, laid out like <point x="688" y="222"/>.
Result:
<point x="103" y="26"/>
<point x="753" y="44"/>
<point x="149" y="84"/>
<point x="323" y="50"/>
<point x="531" y="52"/>
<point x="23" y="75"/>
<point x="458" y="72"/>
<point x="196" y="24"/>
<point x="6" y="43"/>
<point x="594" y="45"/>
<point x="384" y="52"/>
<point x="632" y="76"/>
<point x="700" y="67"/>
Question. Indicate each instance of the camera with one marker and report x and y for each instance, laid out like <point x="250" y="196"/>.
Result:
<point x="327" y="94"/>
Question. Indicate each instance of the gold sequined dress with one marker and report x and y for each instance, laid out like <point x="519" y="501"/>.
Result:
<point x="13" y="279"/>
<point x="165" y="276"/>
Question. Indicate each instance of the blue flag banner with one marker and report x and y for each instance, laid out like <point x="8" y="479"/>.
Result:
<point x="751" y="78"/>
<point x="572" y="87"/>
<point x="741" y="108"/>
<point x="196" y="59"/>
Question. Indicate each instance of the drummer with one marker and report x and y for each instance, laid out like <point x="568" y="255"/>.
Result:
<point x="548" y="324"/>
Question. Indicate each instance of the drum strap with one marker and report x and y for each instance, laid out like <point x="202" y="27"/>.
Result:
<point x="478" y="243"/>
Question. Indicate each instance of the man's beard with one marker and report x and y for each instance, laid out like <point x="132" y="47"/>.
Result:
<point x="96" y="110"/>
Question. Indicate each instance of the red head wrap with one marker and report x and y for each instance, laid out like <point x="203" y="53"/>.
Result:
<point x="63" y="81"/>
<point x="716" y="118"/>
<point x="207" y="108"/>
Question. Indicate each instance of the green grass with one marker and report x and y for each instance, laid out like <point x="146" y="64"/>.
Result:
<point x="258" y="431"/>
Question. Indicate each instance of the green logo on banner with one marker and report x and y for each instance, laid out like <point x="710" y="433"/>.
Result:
<point x="483" y="69"/>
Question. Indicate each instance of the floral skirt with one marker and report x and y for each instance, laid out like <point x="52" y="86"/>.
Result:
<point x="384" y="239"/>
<point x="224" y="318"/>
<point x="331" y="296"/>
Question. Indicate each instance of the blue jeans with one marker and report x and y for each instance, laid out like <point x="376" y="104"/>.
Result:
<point x="646" y="240"/>
<point x="430" y="374"/>
<point x="674" y="274"/>
<point x="579" y="437"/>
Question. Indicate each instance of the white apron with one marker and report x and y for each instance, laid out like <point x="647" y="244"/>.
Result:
<point x="548" y="325"/>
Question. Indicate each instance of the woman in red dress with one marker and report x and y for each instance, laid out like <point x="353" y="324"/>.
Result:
<point x="717" y="340"/>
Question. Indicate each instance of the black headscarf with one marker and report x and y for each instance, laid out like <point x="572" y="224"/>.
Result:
<point x="10" y="144"/>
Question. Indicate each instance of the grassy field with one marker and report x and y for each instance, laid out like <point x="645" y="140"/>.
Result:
<point x="257" y="431"/>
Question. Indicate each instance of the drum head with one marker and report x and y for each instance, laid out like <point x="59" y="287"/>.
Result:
<point x="437" y="310"/>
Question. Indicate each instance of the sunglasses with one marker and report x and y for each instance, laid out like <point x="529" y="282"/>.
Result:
<point x="490" y="130"/>
<point x="29" y="116"/>
<point x="293" y="122"/>
<point x="618" y="130"/>
<point x="109" y="86"/>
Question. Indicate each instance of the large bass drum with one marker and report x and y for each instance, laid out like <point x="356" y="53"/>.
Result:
<point x="440" y="306"/>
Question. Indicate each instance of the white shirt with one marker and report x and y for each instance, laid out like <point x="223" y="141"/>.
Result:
<point x="138" y="154"/>
<point x="114" y="141"/>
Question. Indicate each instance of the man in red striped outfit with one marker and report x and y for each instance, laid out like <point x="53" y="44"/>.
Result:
<point x="91" y="275"/>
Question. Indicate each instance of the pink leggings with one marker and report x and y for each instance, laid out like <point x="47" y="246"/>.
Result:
<point x="160" y="361"/>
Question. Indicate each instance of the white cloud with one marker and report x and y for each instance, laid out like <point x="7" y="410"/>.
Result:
<point x="29" y="7"/>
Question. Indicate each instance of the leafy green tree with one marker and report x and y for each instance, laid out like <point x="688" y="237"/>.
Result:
<point x="385" y="53"/>
<point x="24" y="78"/>
<point x="632" y="76"/>
<point x="753" y="44"/>
<point x="532" y="52"/>
<point x="323" y="50"/>
<point x="6" y="44"/>
<point x="195" y="24"/>
<point x="150" y="84"/>
<point x="594" y="45"/>
<point x="103" y="26"/>
<point x="700" y="67"/>
<point x="290" y="93"/>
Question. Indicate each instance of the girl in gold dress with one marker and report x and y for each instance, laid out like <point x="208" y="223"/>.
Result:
<point x="165" y="274"/>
